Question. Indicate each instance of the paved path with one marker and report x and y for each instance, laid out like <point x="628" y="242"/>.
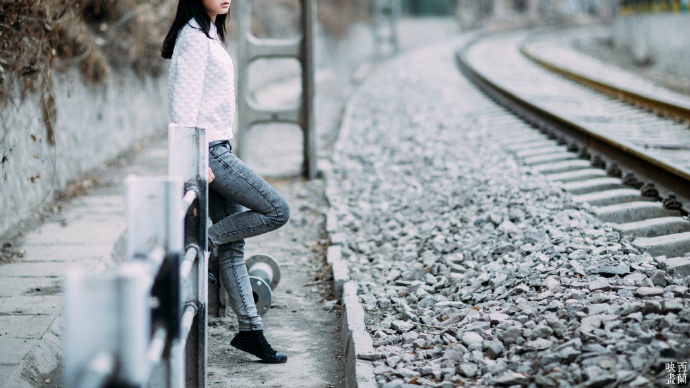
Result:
<point x="84" y="234"/>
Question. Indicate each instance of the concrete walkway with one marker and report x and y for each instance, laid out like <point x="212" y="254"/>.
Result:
<point x="86" y="233"/>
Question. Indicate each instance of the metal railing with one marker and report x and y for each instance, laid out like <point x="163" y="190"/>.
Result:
<point x="144" y="323"/>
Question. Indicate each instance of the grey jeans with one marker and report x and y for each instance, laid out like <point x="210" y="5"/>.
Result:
<point x="236" y="186"/>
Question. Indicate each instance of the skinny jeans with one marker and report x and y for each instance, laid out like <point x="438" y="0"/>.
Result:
<point x="236" y="186"/>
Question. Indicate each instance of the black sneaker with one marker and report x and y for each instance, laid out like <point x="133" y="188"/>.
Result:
<point x="254" y="342"/>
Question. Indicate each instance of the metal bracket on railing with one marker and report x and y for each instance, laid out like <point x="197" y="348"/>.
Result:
<point x="264" y="276"/>
<point x="385" y="15"/>
<point x="301" y="48"/>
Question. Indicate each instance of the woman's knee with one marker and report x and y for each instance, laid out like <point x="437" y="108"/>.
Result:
<point x="282" y="213"/>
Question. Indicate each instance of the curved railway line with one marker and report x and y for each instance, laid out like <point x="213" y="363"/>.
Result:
<point x="625" y="152"/>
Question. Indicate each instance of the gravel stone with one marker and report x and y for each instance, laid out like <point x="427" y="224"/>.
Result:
<point x="634" y="279"/>
<point x="568" y="354"/>
<point x="539" y="344"/>
<point x="644" y="292"/>
<point x="510" y="378"/>
<point x="672" y="306"/>
<point x="510" y="336"/>
<point x="397" y="383"/>
<point x="471" y="338"/>
<point x="493" y="349"/>
<point x="636" y="316"/>
<point x="491" y="284"/>
<point x="468" y="369"/>
<point x="613" y="270"/>
<point x="658" y="278"/>
<point x="599" y="285"/>
<point x="651" y="307"/>
<point x="402" y="326"/>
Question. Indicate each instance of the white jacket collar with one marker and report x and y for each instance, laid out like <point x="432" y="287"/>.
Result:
<point x="213" y="31"/>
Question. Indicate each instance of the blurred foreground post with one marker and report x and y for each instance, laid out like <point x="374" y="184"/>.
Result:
<point x="385" y="15"/>
<point x="144" y="322"/>
<point x="188" y="159"/>
<point x="301" y="48"/>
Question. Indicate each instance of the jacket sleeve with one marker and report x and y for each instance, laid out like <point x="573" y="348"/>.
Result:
<point x="187" y="73"/>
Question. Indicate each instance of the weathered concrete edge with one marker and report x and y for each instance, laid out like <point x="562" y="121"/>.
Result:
<point x="41" y="361"/>
<point x="44" y="359"/>
<point x="357" y="343"/>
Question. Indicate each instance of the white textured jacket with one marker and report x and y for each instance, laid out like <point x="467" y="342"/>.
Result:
<point x="201" y="85"/>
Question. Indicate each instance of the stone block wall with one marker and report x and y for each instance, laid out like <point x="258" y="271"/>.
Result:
<point x="91" y="127"/>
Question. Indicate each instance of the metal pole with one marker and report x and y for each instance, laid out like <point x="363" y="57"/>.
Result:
<point x="244" y="23"/>
<point x="111" y="346"/>
<point x="308" y="88"/>
<point x="385" y="25"/>
<point x="154" y="214"/>
<point x="251" y="48"/>
<point x="188" y="159"/>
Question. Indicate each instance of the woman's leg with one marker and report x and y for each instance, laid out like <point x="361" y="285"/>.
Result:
<point x="232" y="267"/>
<point x="236" y="182"/>
<point x="234" y="186"/>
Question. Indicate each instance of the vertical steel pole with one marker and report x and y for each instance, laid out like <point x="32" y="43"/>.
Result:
<point x="308" y="88"/>
<point x="133" y="285"/>
<point x="154" y="220"/>
<point x="244" y="32"/>
<point x="385" y="25"/>
<point x="188" y="159"/>
<point x="153" y="205"/>
<point x="111" y="346"/>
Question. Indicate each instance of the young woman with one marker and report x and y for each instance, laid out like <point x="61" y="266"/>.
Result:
<point x="202" y="94"/>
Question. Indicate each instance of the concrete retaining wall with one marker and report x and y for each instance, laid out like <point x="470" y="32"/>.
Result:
<point x="91" y="127"/>
<point x="661" y="39"/>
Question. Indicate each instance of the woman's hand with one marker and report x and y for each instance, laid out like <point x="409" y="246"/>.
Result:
<point x="210" y="176"/>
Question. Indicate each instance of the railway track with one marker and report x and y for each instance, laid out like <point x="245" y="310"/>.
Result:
<point x="626" y="153"/>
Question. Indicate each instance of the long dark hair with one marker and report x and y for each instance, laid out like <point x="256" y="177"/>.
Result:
<point x="186" y="10"/>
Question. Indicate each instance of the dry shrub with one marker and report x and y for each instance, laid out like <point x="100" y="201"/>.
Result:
<point x="74" y="41"/>
<point x="106" y="10"/>
<point x="29" y="34"/>
<point x="133" y="38"/>
<point x="49" y="112"/>
<point x="276" y="18"/>
<point x="95" y="68"/>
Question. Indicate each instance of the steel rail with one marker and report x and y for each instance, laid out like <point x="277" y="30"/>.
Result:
<point x="667" y="176"/>
<point x="190" y="257"/>
<point x="157" y="345"/>
<point x="189" y="197"/>
<point x="187" y="318"/>
<point x="669" y="109"/>
<point x="155" y="260"/>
